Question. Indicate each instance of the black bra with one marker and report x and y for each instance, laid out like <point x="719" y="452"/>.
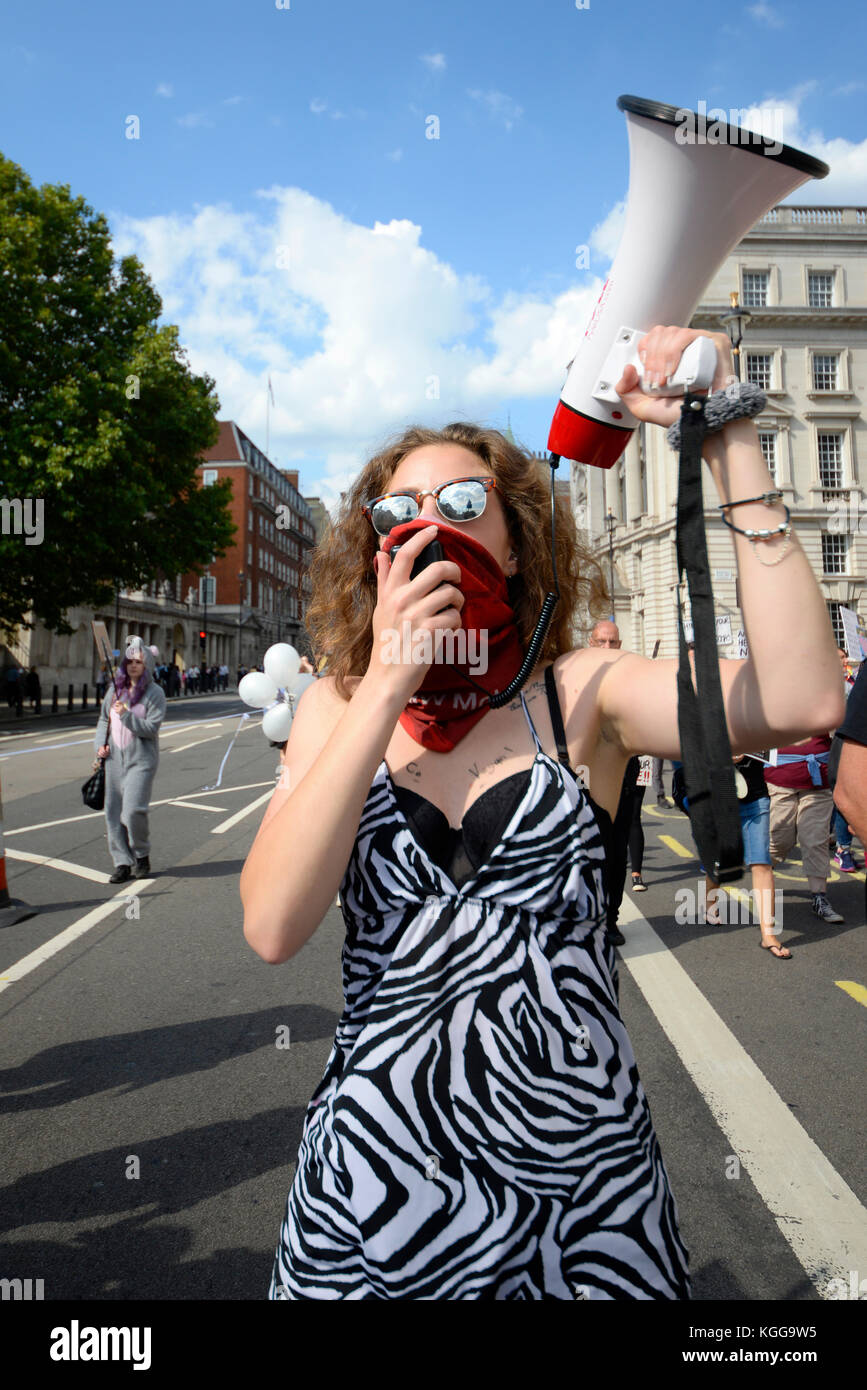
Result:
<point x="462" y="851"/>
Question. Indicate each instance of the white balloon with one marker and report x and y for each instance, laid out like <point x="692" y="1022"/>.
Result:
<point x="257" y="689"/>
<point x="299" y="683"/>
<point x="281" y="663"/>
<point x="276" y="723"/>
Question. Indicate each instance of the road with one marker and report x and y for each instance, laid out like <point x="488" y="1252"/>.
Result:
<point x="151" y="1118"/>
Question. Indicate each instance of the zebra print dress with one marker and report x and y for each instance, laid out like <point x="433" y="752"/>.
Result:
<point x="480" y="1131"/>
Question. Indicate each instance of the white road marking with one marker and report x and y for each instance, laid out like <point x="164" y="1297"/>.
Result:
<point x="91" y="815"/>
<point x="166" y="732"/>
<point x="185" y="728"/>
<point x="91" y="919"/>
<point x="45" y="824"/>
<point x="197" y="743"/>
<point x="65" y="865"/>
<point x="48" y="738"/>
<point x="197" y="806"/>
<point x="239" y="815"/>
<point x="817" y="1212"/>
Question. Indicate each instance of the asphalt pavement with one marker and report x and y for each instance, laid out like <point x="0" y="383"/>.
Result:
<point x="152" y="1116"/>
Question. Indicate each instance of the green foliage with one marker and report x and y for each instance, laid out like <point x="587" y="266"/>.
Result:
<point x="100" y="415"/>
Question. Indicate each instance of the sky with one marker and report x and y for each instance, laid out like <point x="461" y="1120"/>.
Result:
<point x="381" y="206"/>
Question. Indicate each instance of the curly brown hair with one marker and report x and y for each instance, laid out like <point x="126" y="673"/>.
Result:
<point x="344" y="582"/>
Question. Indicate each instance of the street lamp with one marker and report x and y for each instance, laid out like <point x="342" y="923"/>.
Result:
<point x="205" y="623"/>
<point x="735" y="323"/>
<point x="610" y="523"/>
<point x="241" y="577"/>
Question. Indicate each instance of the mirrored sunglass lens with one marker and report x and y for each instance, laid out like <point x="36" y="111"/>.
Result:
<point x="393" y="511"/>
<point x="462" y="501"/>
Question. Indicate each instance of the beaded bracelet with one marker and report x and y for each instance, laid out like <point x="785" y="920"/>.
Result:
<point x="770" y="499"/>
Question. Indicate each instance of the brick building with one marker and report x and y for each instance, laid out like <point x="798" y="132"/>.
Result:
<point x="258" y="592"/>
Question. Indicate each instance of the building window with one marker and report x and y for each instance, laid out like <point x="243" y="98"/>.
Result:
<point x="250" y="480"/>
<point x="820" y="289"/>
<point x="836" y="622"/>
<point x="207" y="590"/>
<point x="825" y="371"/>
<point x="830" y="444"/>
<point x="642" y="467"/>
<point x="768" y="442"/>
<point x="621" y="490"/>
<point x="209" y="476"/>
<point x="249" y="521"/>
<point x="834" y="551"/>
<point x="760" y="369"/>
<point x="249" y="553"/>
<point x="756" y="289"/>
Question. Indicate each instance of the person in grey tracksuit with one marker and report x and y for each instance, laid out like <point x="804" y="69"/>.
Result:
<point x="131" y="755"/>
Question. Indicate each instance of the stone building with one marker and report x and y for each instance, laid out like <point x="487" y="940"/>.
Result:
<point x="802" y="274"/>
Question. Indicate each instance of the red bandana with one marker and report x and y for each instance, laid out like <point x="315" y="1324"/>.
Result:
<point x="447" y="705"/>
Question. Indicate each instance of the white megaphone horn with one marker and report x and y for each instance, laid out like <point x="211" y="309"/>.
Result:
<point x="695" y="189"/>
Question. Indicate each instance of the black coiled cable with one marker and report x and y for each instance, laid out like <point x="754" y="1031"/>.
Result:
<point x="549" y="603"/>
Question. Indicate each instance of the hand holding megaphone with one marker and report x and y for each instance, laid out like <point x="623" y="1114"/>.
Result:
<point x="655" y="395"/>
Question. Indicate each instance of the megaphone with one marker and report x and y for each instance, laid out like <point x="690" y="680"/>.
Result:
<point x="695" y="189"/>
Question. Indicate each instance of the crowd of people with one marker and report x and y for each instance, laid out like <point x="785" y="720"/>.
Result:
<point x="23" y="686"/>
<point x="785" y="798"/>
<point x="176" y="680"/>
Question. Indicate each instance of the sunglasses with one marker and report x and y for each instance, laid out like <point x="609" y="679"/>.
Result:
<point x="462" y="499"/>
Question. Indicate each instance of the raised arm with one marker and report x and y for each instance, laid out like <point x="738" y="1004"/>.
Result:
<point x="789" y="686"/>
<point x="304" y="842"/>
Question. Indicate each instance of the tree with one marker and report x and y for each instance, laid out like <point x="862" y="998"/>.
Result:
<point x="101" y="418"/>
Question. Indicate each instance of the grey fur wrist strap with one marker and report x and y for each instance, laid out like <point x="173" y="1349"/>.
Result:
<point x="724" y="406"/>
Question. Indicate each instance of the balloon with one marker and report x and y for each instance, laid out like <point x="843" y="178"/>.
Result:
<point x="299" y="683"/>
<point x="276" y="723"/>
<point x="281" y="664"/>
<point x="257" y="689"/>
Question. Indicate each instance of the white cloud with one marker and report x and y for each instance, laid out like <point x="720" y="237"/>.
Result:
<point x="232" y="101"/>
<point x="605" y="236"/>
<point x="362" y="329"/>
<point x="165" y="89"/>
<point x="317" y="106"/>
<point x="766" y="14"/>
<point x="194" y="120"/>
<point x="780" y="118"/>
<point x="435" y="61"/>
<point x="500" y="106"/>
<point x="395" y="156"/>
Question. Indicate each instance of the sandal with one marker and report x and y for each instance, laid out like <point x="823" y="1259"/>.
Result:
<point x="775" y="948"/>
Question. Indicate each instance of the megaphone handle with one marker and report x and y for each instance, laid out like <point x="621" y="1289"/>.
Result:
<point x="694" y="372"/>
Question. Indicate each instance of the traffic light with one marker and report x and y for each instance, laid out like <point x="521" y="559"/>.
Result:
<point x="202" y="635"/>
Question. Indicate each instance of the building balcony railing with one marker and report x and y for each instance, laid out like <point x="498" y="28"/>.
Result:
<point x="790" y="216"/>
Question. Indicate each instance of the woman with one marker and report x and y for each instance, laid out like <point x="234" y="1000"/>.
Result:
<point x="480" y="1130"/>
<point x="136" y="709"/>
<point x="754" y="806"/>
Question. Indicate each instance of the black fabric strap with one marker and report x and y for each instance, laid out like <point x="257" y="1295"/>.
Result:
<point x="705" y="749"/>
<point x="556" y="717"/>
